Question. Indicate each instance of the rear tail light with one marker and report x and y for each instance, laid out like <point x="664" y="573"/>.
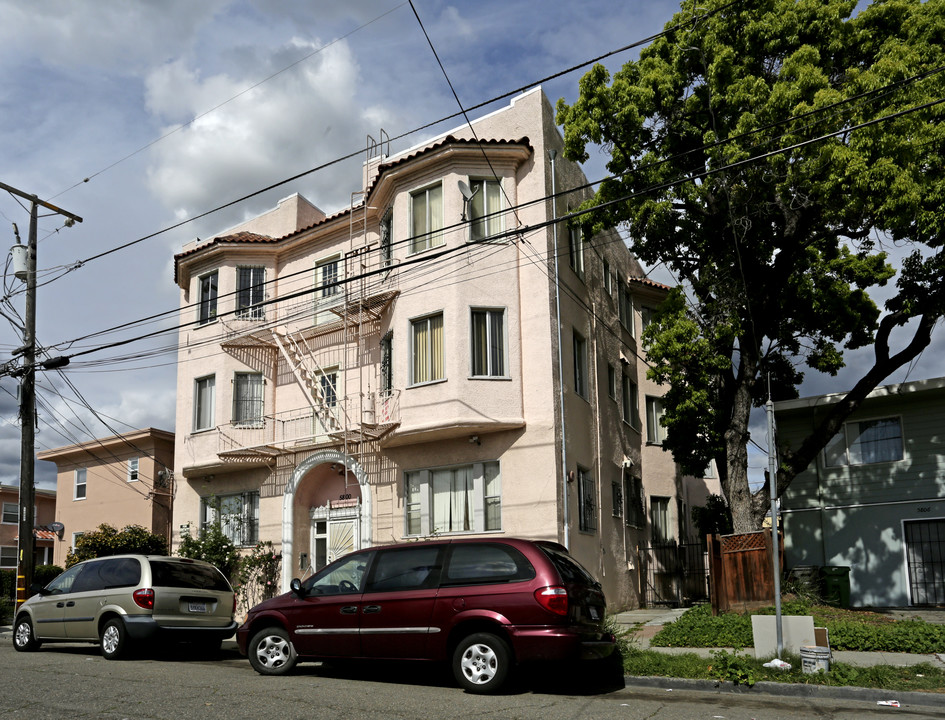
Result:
<point x="144" y="598"/>
<point x="554" y="599"/>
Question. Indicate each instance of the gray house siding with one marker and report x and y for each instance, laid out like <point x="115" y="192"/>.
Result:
<point x="884" y="520"/>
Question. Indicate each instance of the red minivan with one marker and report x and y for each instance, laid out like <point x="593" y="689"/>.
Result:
<point x="484" y="605"/>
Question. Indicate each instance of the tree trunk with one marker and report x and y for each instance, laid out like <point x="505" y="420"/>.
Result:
<point x="736" y="487"/>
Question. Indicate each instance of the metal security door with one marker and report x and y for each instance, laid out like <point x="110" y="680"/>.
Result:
<point x="925" y="559"/>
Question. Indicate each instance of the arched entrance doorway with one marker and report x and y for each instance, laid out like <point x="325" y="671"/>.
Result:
<point x="329" y="493"/>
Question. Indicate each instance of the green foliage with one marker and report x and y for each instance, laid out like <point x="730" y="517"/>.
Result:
<point x="698" y="627"/>
<point x="257" y="576"/>
<point x="753" y="151"/>
<point x="713" y="518"/>
<point x="732" y="667"/>
<point x="107" y="540"/>
<point x="8" y="583"/>
<point x="214" y="547"/>
<point x="43" y="574"/>
<point x="6" y="608"/>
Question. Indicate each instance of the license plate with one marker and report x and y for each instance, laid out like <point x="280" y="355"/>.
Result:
<point x="594" y="613"/>
<point x="197" y="607"/>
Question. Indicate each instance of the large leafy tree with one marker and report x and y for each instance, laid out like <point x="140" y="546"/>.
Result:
<point x="767" y="151"/>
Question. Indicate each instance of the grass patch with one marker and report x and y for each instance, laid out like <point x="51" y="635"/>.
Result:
<point x="849" y="629"/>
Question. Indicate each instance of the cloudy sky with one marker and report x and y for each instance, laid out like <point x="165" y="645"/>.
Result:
<point x="139" y="116"/>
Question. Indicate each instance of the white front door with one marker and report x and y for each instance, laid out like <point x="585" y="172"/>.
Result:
<point x="335" y="532"/>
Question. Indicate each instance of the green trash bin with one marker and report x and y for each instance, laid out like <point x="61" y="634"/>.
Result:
<point x="837" y="585"/>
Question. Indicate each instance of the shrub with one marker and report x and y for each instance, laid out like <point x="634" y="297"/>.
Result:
<point x="214" y="547"/>
<point x="257" y="576"/>
<point x="43" y="574"/>
<point x="106" y="540"/>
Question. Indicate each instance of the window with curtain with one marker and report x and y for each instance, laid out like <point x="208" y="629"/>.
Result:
<point x="865" y="442"/>
<point x="457" y="499"/>
<point x="488" y="343"/>
<point x="207" y="308"/>
<point x="236" y="515"/>
<point x="485" y="209"/>
<point x="248" y="399"/>
<point x="427" y="349"/>
<point x="587" y="500"/>
<point x="660" y="531"/>
<point x="250" y="292"/>
<point x="426" y="214"/>
<point x="629" y="401"/>
<point x="204" y="391"/>
<point x="655" y="432"/>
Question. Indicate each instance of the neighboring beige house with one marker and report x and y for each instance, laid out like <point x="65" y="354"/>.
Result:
<point x="44" y="513"/>
<point x="120" y="480"/>
<point x="398" y="371"/>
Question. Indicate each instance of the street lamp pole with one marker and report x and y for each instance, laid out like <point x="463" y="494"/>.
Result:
<point x="26" y="561"/>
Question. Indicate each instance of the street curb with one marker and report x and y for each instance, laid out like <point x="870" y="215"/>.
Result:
<point x="797" y="690"/>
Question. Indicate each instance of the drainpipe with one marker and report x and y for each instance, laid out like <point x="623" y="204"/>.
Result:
<point x="564" y="453"/>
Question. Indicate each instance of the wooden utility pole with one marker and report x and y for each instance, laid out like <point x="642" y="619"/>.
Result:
<point x="26" y="560"/>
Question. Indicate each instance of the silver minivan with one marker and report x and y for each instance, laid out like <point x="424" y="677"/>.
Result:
<point x="128" y="601"/>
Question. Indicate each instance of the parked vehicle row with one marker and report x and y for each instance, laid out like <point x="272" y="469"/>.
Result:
<point x="482" y="605"/>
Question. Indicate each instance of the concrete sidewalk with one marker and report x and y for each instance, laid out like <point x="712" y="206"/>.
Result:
<point x="644" y="624"/>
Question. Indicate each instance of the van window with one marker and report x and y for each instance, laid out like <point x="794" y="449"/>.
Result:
<point x="343" y="577"/>
<point x="63" y="583"/>
<point x="571" y="570"/>
<point x="476" y="564"/>
<point x="406" y="569"/>
<point x="187" y="575"/>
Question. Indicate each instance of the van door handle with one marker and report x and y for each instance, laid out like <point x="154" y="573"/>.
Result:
<point x="71" y="603"/>
<point x="349" y="610"/>
<point x="60" y="604"/>
<point x="370" y="609"/>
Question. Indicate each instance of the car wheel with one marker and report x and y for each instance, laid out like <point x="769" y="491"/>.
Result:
<point x="24" y="639"/>
<point x="481" y="663"/>
<point x="271" y="652"/>
<point x="114" y="639"/>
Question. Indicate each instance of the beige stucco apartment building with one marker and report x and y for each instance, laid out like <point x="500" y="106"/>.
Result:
<point x="398" y="370"/>
<point x="120" y="480"/>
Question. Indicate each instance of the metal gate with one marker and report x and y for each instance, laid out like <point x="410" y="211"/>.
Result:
<point x="677" y="574"/>
<point x="925" y="560"/>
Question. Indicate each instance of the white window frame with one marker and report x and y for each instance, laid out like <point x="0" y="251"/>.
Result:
<point x="496" y="360"/>
<point x="249" y="410"/>
<point x="327" y="275"/>
<point x="242" y="532"/>
<point x="661" y="520"/>
<point x="843" y="450"/>
<point x="576" y="250"/>
<point x="6" y="557"/>
<point x="431" y="234"/>
<point x="655" y="432"/>
<point x="328" y="382"/>
<point x="429" y="374"/>
<point x="134" y="469"/>
<point x="212" y="281"/>
<point x="482" y="500"/>
<point x="608" y="278"/>
<point x="485" y="209"/>
<point x="629" y="399"/>
<point x="80" y="479"/>
<point x="11" y="509"/>
<point x="251" y="294"/>
<point x="579" y="348"/>
<point x="198" y="405"/>
<point x="587" y="500"/>
<point x="612" y="382"/>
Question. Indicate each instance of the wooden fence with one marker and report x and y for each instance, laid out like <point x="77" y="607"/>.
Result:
<point x="740" y="571"/>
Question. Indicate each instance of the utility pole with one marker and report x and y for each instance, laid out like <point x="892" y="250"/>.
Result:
<point x="26" y="560"/>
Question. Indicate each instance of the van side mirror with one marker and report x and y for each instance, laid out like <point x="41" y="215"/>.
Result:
<point x="296" y="587"/>
<point x="37" y="589"/>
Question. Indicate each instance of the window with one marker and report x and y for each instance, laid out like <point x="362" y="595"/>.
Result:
<point x="633" y="492"/>
<point x="427" y="348"/>
<point x="463" y="498"/>
<point x="660" y="531"/>
<point x="608" y="280"/>
<point x="81" y="476"/>
<point x="207" y="310"/>
<point x="326" y="278"/>
<point x="248" y="399"/>
<point x="236" y="515"/>
<point x="204" y="391"/>
<point x="426" y="208"/>
<point x="616" y="498"/>
<point x="655" y="432"/>
<point x="576" y="250"/>
<point x="329" y="385"/>
<point x="8" y="556"/>
<point x="414" y="568"/>
<point x="387" y="368"/>
<point x="488" y="343"/>
<point x="865" y="442"/>
<point x="385" y="229"/>
<point x="133" y="470"/>
<point x="580" y="365"/>
<point x="646" y="316"/>
<point x="486" y="563"/>
<point x="628" y="397"/>
<point x="485" y="209"/>
<point x="250" y="292"/>
<point x="587" y="503"/>
<point x="612" y="382"/>
<point x="11" y="513"/>
<point x="625" y="307"/>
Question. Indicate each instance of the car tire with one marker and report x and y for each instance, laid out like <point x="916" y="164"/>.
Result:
<point x="481" y="663"/>
<point x="24" y="639"/>
<point x="114" y="639"/>
<point x="271" y="653"/>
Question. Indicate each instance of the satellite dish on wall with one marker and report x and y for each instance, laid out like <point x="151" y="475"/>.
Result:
<point x="467" y="195"/>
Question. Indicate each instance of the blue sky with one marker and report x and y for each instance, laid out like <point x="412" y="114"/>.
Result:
<point x="172" y="108"/>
